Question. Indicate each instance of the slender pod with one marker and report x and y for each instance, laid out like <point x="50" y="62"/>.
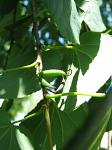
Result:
<point x="53" y="73"/>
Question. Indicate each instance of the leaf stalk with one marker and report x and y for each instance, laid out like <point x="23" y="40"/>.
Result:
<point x="20" y="68"/>
<point x="27" y="117"/>
<point x="48" y="96"/>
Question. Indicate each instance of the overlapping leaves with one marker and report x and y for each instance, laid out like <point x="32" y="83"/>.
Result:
<point x="60" y="122"/>
<point x="90" y="14"/>
<point x="99" y="70"/>
<point x="10" y="135"/>
<point x="65" y="15"/>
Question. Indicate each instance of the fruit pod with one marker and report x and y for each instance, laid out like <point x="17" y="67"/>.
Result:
<point x="46" y="84"/>
<point x="53" y="73"/>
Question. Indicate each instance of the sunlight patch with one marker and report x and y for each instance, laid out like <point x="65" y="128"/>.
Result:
<point x="99" y="70"/>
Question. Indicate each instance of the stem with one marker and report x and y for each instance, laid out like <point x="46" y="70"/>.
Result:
<point x="20" y="68"/>
<point x="108" y="31"/>
<point x="75" y="94"/>
<point x="39" y="68"/>
<point x="29" y="116"/>
<point x="39" y="65"/>
<point x="48" y="125"/>
<point x="58" y="47"/>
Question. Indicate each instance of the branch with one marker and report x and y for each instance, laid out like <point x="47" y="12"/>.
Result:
<point x="36" y="37"/>
<point x="39" y="67"/>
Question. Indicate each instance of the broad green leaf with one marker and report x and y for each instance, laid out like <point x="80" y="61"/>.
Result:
<point x="63" y="126"/>
<point x="89" y="43"/>
<point x="7" y="6"/>
<point x="91" y="15"/>
<point x="99" y="70"/>
<point x="17" y="84"/>
<point x="89" y="136"/>
<point x="87" y="50"/>
<point x="65" y="14"/>
<point x="79" y="3"/>
<point x="22" y="106"/>
<point x="5" y="20"/>
<point x="109" y="126"/>
<point x="52" y="59"/>
<point x="12" y="137"/>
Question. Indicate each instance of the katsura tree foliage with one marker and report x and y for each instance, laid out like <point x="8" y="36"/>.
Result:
<point x="55" y="70"/>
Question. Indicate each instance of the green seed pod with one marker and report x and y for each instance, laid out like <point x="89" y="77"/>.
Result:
<point x="46" y="84"/>
<point x="53" y="73"/>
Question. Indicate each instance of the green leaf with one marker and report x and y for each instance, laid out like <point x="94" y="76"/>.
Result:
<point x="7" y="6"/>
<point x="22" y="106"/>
<point x="52" y="59"/>
<point x="79" y="3"/>
<point x="17" y="84"/>
<point x="88" y="49"/>
<point x="60" y="122"/>
<point x="12" y="137"/>
<point x="5" y="20"/>
<point x="99" y="69"/>
<point x="109" y="126"/>
<point x="65" y="14"/>
<point x="91" y="15"/>
<point x="90" y="134"/>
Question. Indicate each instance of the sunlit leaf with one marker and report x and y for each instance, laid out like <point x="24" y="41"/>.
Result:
<point x="60" y="122"/>
<point x="17" y="84"/>
<point x="10" y="135"/>
<point x="98" y="72"/>
<point x="87" y="50"/>
<point x="22" y="106"/>
<point x="91" y="15"/>
<point x="90" y="134"/>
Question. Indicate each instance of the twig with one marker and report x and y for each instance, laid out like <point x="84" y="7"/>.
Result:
<point x="39" y="67"/>
<point x="36" y="37"/>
